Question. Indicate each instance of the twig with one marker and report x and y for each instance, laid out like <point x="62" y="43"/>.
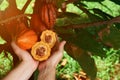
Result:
<point x="26" y="5"/>
<point x="85" y="25"/>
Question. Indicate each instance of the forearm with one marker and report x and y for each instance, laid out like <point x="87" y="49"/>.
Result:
<point x="47" y="74"/>
<point x="22" y="72"/>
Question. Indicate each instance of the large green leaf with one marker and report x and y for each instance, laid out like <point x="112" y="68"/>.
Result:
<point x="92" y="17"/>
<point x="84" y="40"/>
<point x="117" y="25"/>
<point x="116" y="1"/>
<point x="68" y="14"/>
<point x="84" y="59"/>
<point x="113" y="38"/>
<point x="102" y="14"/>
<point x="88" y="65"/>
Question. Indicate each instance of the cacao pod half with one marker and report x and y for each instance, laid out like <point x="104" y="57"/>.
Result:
<point x="49" y="37"/>
<point x="40" y="51"/>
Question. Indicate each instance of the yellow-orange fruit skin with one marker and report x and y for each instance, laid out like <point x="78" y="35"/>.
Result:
<point x="46" y="53"/>
<point x="26" y="39"/>
<point x="50" y="34"/>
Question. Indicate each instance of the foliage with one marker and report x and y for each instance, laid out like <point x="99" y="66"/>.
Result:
<point x="87" y="28"/>
<point x="6" y="63"/>
<point x="68" y="69"/>
<point x="2" y="41"/>
<point x="108" y="68"/>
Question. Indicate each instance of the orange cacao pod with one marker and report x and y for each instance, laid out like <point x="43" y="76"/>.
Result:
<point x="26" y="39"/>
<point x="48" y="14"/>
<point x="49" y="37"/>
<point x="40" y="51"/>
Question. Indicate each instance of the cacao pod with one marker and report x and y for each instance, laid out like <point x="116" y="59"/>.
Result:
<point x="48" y="14"/>
<point x="26" y="39"/>
<point x="49" y="37"/>
<point x="40" y="51"/>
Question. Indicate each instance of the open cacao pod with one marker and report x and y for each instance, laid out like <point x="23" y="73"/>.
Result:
<point x="41" y="51"/>
<point x="49" y="37"/>
<point x="48" y="14"/>
<point x="26" y="39"/>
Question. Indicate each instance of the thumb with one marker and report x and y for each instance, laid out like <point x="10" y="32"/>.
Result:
<point x="61" y="46"/>
<point x="18" y="51"/>
<point x="57" y="56"/>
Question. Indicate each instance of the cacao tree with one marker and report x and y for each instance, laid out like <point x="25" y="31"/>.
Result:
<point x="86" y="35"/>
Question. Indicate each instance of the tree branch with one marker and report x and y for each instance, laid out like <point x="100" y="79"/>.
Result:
<point x="85" y="25"/>
<point x="12" y="3"/>
<point x="26" y="5"/>
<point x="12" y="18"/>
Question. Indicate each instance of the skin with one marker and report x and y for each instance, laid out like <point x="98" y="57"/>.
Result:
<point x="28" y="65"/>
<point x="47" y="69"/>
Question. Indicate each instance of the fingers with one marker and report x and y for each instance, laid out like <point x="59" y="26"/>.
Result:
<point x="57" y="56"/>
<point x="18" y="51"/>
<point x="54" y="59"/>
<point x="15" y="47"/>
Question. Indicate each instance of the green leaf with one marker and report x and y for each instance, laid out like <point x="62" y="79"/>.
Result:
<point x="68" y="14"/>
<point x="117" y="25"/>
<point x="84" y="40"/>
<point x="3" y="4"/>
<point x="116" y="1"/>
<point x="94" y="17"/>
<point x="71" y="18"/>
<point x="2" y="55"/>
<point x="84" y="59"/>
<point x="113" y="38"/>
<point x="6" y="63"/>
<point x="88" y="65"/>
<point x="10" y="57"/>
<point x="2" y="41"/>
<point x="102" y="14"/>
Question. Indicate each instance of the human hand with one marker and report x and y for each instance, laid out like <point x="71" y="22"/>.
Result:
<point x="23" y="55"/>
<point x="27" y="66"/>
<point x="47" y="68"/>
